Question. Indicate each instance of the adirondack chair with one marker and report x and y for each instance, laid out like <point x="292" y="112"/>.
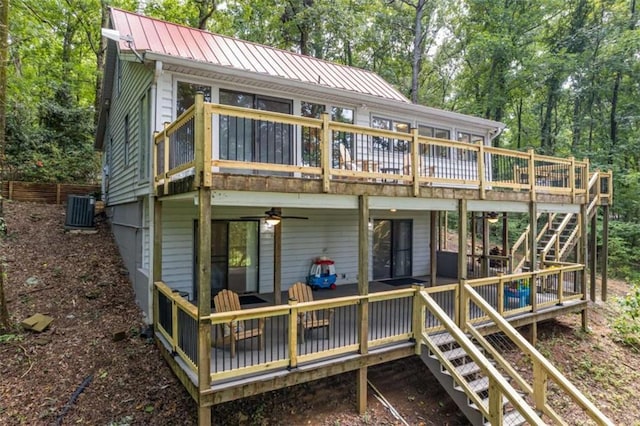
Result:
<point x="234" y="331"/>
<point x="307" y="321"/>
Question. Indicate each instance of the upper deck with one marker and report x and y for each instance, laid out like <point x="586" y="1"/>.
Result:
<point x="231" y="148"/>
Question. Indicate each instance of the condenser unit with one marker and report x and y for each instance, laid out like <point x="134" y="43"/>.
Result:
<point x="80" y="211"/>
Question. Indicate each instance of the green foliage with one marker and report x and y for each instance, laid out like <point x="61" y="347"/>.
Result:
<point x="627" y="324"/>
<point x="624" y="239"/>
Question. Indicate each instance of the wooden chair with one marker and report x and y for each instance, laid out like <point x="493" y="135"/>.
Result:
<point x="234" y="331"/>
<point x="307" y="321"/>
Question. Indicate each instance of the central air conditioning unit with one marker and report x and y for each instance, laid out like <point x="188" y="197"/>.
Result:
<point x="80" y="211"/>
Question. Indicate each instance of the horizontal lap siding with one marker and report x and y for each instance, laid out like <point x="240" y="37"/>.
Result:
<point x="124" y="178"/>
<point x="331" y="233"/>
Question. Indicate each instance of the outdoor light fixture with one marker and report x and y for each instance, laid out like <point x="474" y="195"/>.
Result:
<point x="492" y="217"/>
<point x="272" y="221"/>
<point x="116" y="36"/>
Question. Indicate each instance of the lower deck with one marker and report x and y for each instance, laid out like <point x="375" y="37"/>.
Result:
<point x="361" y="330"/>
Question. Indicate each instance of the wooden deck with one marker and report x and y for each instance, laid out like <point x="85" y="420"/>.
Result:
<point x="390" y="332"/>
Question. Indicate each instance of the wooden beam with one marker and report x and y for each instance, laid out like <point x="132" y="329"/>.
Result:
<point x="485" y="245"/>
<point x="533" y="232"/>
<point x="604" y="269"/>
<point x="434" y="217"/>
<point x="204" y="289"/>
<point x="338" y="366"/>
<point x="593" y="255"/>
<point x="325" y="151"/>
<point x="277" y="264"/>
<point x="361" y="392"/>
<point x="462" y="239"/>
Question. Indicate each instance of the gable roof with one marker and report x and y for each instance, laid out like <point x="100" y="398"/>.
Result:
<point x="168" y="39"/>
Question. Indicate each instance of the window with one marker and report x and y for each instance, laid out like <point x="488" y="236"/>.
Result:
<point x="145" y="135"/>
<point x="343" y="115"/>
<point x="186" y="95"/>
<point x="473" y="139"/>
<point x="434" y="132"/>
<point x="126" y="140"/>
<point x="311" y="136"/>
<point x="263" y="141"/>
<point x="396" y="126"/>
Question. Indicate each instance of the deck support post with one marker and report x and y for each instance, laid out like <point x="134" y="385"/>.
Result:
<point x="363" y="290"/>
<point x="593" y="256"/>
<point x="462" y="239"/>
<point x="605" y="250"/>
<point x="474" y="227"/>
<point x="506" y="249"/>
<point x="204" y="415"/>
<point x="156" y="272"/>
<point x="533" y="232"/>
<point x="202" y="168"/>
<point x="433" y="246"/>
<point x="583" y="248"/>
<point x="485" y="246"/>
<point x="277" y="263"/>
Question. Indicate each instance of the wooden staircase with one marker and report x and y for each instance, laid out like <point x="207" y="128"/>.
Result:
<point x="471" y="373"/>
<point x="559" y="234"/>
<point x="486" y="386"/>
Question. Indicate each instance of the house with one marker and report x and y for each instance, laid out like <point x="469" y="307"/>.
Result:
<point x="232" y="165"/>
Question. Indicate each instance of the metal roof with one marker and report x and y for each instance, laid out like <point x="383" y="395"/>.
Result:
<point x="165" y="38"/>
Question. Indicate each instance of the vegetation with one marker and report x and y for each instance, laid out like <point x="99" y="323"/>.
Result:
<point x="561" y="75"/>
<point x="627" y="324"/>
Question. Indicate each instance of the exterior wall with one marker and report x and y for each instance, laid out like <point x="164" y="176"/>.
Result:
<point x="332" y="233"/>
<point x="126" y="224"/>
<point x="125" y="183"/>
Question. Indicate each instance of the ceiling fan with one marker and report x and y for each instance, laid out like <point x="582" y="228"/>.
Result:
<point x="273" y="216"/>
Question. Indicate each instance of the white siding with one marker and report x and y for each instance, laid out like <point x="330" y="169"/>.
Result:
<point x="136" y="80"/>
<point x="331" y="233"/>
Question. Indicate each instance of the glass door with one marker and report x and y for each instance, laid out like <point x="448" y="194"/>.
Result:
<point x="392" y="248"/>
<point x="234" y="256"/>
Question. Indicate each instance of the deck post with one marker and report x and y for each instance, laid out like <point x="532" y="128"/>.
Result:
<point x="506" y="249"/>
<point x="415" y="160"/>
<point x="462" y="239"/>
<point x="532" y="176"/>
<point x="474" y="227"/>
<point x="363" y="290"/>
<point x="325" y="151"/>
<point x="605" y="250"/>
<point x="583" y="253"/>
<point x="433" y="246"/>
<point x="533" y="232"/>
<point x="277" y="263"/>
<point x="204" y="415"/>
<point x="156" y="272"/>
<point x="485" y="245"/>
<point x="593" y="255"/>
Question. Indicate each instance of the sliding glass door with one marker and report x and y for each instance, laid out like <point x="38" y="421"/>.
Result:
<point x="234" y="255"/>
<point x="392" y="248"/>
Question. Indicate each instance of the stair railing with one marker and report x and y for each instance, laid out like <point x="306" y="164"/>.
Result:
<point x="593" y="192"/>
<point x="499" y="387"/>
<point x="524" y="239"/>
<point x="554" y="241"/>
<point x="542" y="370"/>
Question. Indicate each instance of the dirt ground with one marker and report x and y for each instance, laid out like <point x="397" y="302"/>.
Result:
<point x="92" y="367"/>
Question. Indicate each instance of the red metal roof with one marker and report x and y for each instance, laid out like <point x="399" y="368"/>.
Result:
<point x="165" y="38"/>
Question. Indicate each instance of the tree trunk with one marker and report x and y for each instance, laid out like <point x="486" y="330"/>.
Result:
<point x="100" y="52"/>
<point x="418" y="41"/>
<point x="4" y="51"/>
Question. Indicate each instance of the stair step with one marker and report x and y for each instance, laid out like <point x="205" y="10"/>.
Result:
<point x="442" y="339"/>
<point x="485" y="402"/>
<point x="478" y="385"/>
<point x="512" y="418"/>
<point x="454" y="354"/>
<point x="468" y="369"/>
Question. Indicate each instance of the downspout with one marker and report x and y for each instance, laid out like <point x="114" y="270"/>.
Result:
<point x="497" y="132"/>
<point x="151" y="197"/>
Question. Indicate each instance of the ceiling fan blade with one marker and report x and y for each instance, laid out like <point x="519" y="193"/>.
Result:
<point x="294" y="217"/>
<point x="252" y="217"/>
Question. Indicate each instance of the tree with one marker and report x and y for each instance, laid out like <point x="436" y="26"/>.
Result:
<point x="4" y="21"/>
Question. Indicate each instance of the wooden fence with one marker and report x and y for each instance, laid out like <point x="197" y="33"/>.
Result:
<point x="49" y="193"/>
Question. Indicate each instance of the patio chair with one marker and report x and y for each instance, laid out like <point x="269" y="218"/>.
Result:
<point x="234" y="331"/>
<point x="307" y="321"/>
<point x="427" y="171"/>
<point x="346" y="162"/>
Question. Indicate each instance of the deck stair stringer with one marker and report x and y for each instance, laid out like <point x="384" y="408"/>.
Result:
<point x="466" y="376"/>
<point x="481" y="392"/>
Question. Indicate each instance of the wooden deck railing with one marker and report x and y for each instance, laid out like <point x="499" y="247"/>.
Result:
<point x="533" y="376"/>
<point x="327" y="150"/>
<point x="391" y="319"/>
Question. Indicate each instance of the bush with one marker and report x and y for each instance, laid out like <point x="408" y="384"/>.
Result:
<point x="627" y="324"/>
